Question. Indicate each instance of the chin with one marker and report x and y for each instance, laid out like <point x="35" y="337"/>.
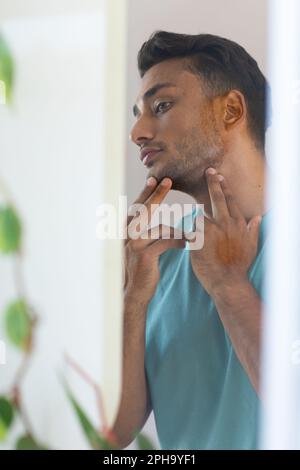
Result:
<point x="158" y="173"/>
<point x="181" y="182"/>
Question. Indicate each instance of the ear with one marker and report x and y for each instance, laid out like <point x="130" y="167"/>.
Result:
<point x="234" y="108"/>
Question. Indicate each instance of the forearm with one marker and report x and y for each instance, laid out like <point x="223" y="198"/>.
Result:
<point x="240" y="310"/>
<point x="134" y="405"/>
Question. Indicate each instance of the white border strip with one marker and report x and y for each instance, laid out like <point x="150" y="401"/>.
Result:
<point x="115" y="117"/>
<point x="280" y="374"/>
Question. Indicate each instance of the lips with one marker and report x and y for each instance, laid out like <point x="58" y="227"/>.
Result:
<point x="148" y="153"/>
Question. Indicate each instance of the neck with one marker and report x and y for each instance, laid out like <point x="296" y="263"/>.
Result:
<point x="244" y="170"/>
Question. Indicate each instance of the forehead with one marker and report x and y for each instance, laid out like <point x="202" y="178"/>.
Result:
<point x="169" y="71"/>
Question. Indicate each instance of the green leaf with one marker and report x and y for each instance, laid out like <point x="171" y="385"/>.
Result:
<point x="144" y="442"/>
<point x="95" y="439"/>
<point x="10" y="230"/>
<point x="27" y="442"/>
<point x="6" y="416"/>
<point x="3" y="431"/>
<point x="6" y="69"/>
<point x="18" y="324"/>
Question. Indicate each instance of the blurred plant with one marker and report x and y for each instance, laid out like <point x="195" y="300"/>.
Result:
<point x="104" y="438"/>
<point x="6" y="69"/>
<point x="20" y="324"/>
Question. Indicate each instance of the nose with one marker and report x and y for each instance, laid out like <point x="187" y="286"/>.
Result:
<point x="142" y="130"/>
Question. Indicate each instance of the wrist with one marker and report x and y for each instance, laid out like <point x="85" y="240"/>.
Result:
<point x="230" y="287"/>
<point x="133" y="299"/>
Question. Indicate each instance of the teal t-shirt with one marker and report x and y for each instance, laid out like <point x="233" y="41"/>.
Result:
<point x="201" y="395"/>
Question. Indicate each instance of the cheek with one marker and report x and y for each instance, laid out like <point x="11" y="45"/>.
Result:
<point x="170" y="127"/>
<point x="181" y="134"/>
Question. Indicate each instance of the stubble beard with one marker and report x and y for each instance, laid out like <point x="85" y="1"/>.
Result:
<point x="196" y="152"/>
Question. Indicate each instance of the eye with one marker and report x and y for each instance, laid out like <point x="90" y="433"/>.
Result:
<point x="162" y="106"/>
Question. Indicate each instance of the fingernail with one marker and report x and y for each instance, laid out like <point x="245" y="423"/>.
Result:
<point x="151" y="181"/>
<point x="211" y="171"/>
<point x="220" y="178"/>
<point x="166" y="182"/>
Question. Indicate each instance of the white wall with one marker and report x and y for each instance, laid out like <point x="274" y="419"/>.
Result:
<point x="243" y="21"/>
<point x="53" y="156"/>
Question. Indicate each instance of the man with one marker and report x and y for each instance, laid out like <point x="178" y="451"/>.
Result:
<point x="192" y="319"/>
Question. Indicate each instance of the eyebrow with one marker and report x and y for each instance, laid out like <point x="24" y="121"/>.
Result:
<point x="151" y="92"/>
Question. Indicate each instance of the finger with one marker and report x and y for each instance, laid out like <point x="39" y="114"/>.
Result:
<point x="254" y="225"/>
<point x="158" y="196"/>
<point x="151" y="235"/>
<point x="254" y="229"/>
<point x="160" y="246"/>
<point x="151" y="184"/>
<point x="165" y="232"/>
<point x="233" y="208"/>
<point x="151" y="205"/>
<point x="217" y="197"/>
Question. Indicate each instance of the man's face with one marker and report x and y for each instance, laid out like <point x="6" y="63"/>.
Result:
<point x="182" y="122"/>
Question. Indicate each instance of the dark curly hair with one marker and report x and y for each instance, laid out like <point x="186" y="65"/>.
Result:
<point x="222" y="64"/>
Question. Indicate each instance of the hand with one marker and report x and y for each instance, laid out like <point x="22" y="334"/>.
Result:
<point x="230" y="244"/>
<point x="141" y="257"/>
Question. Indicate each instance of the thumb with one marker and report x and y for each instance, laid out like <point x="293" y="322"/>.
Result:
<point x="254" y="224"/>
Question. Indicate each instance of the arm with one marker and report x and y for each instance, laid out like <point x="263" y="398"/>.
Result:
<point x="141" y="279"/>
<point x="230" y="246"/>
<point x="240" y="308"/>
<point x="135" y="405"/>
